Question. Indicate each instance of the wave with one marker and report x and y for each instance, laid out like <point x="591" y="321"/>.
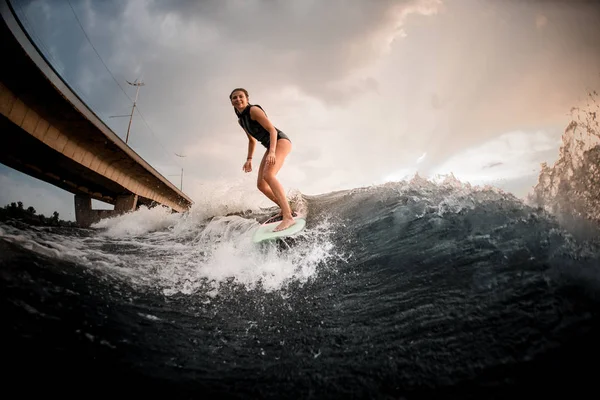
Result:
<point x="570" y="189"/>
<point x="196" y="252"/>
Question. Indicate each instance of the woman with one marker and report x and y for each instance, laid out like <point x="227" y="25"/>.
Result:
<point x="257" y="126"/>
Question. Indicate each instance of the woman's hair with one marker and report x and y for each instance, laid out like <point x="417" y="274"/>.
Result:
<point x="237" y="90"/>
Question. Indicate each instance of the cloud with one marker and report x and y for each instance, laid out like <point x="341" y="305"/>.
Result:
<point x="506" y="157"/>
<point x="311" y="45"/>
<point x="484" y="70"/>
<point x="540" y="21"/>
<point x="492" y="165"/>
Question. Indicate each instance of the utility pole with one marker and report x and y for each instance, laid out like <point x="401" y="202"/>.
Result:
<point x="137" y="85"/>
<point x="181" y="181"/>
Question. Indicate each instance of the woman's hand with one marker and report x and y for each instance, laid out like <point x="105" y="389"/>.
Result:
<point x="271" y="158"/>
<point x="247" y="166"/>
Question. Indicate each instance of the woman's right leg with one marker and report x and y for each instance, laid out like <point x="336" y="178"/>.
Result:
<point x="262" y="185"/>
<point x="270" y="171"/>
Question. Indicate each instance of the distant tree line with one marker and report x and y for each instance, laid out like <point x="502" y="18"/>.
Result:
<point x="19" y="212"/>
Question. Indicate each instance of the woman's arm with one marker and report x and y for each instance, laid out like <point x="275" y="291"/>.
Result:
<point x="247" y="167"/>
<point x="251" y="144"/>
<point x="259" y="115"/>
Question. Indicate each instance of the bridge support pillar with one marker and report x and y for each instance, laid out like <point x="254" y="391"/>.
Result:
<point x="126" y="203"/>
<point x="83" y="210"/>
<point x="86" y="216"/>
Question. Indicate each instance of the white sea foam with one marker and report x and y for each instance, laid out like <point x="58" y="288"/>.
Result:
<point x="138" y="222"/>
<point x="198" y="251"/>
<point x="223" y="252"/>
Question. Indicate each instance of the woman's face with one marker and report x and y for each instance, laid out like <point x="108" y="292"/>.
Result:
<point x="239" y="100"/>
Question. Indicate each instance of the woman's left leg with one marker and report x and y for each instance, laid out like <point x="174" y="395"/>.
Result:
<point x="284" y="147"/>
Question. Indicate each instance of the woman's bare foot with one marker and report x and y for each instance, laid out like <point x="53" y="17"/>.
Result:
<point x="278" y="217"/>
<point x="286" y="223"/>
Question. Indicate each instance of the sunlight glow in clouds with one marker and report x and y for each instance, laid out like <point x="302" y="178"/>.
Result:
<point x="509" y="156"/>
<point x="513" y="155"/>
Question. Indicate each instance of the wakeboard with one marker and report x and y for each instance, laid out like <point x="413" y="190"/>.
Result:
<point x="265" y="231"/>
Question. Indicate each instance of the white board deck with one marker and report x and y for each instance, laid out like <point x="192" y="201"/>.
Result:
<point x="265" y="231"/>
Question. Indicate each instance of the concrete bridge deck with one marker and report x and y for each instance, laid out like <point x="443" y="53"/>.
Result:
<point x="49" y="133"/>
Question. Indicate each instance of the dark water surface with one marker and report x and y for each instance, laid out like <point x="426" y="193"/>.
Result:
<point x="399" y="291"/>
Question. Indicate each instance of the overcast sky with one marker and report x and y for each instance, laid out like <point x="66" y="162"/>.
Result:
<point x="368" y="90"/>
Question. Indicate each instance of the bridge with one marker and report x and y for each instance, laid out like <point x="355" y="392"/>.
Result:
<point x="49" y="133"/>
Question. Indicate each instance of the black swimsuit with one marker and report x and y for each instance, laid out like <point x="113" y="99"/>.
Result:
<point x="255" y="129"/>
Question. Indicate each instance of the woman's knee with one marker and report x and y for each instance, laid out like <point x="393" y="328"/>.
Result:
<point x="269" y="178"/>
<point x="262" y="185"/>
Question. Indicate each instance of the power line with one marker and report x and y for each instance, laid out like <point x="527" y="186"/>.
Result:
<point x="96" y="51"/>
<point x="120" y="87"/>
<point x="153" y="134"/>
